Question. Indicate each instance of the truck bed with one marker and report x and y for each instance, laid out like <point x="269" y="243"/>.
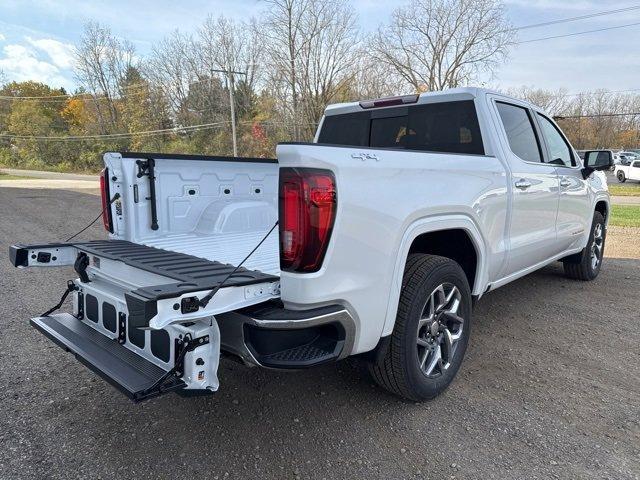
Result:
<point x="230" y="248"/>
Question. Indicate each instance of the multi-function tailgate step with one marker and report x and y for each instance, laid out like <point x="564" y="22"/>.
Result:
<point x="129" y="372"/>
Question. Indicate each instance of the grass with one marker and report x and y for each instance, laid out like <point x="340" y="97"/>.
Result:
<point x="6" y="176"/>
<point x="625" y="215"/>
<point x="626" y="190"/>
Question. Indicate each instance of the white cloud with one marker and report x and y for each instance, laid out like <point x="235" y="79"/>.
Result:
<point x="21" y="63"/>
<point x="61" y="54"/>
<point x="2" y="38"/>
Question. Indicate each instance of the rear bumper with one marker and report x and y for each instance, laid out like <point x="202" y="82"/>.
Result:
<point x="269" y="335"/>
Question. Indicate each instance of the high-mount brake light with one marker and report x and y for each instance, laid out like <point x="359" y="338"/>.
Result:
<point x="389" y="101"/>
<point x="107" y="219"/>
<point x="308" y="204"/>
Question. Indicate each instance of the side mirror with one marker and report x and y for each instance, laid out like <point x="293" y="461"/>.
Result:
<point x="596" y="160"/>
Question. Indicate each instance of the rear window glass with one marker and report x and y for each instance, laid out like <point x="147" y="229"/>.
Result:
<point x="450" y="127"/>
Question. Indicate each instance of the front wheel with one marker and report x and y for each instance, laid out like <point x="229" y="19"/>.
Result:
<point x="431" y="332"/>
<point x="586" y="265"/>
<point x="621" y="177"/>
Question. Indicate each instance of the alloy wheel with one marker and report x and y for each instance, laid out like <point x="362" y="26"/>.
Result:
<point x="597" y="246"/>
<point x="439" y="330"/>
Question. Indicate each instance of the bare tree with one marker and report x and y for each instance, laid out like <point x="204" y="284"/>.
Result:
<point x="224" y="44"/>
<point x="438" y="44"/>
<point x="312" y="48"/>
<point x="102" y="62"/>
<point x="374" y="79"/>
<point x="555" y="102"/>
<point x="284" y="34"/>
<point x="170" y="69"/>
<point x="327" y="59"/>
<point x="189" y="68"/>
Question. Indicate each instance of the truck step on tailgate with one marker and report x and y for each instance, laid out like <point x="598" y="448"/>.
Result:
<point x="127" y="371"/>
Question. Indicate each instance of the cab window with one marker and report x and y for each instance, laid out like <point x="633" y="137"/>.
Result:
<point x="449" y="127"/>
<point x="520" y="131"/>
<point x="559" y="150"/>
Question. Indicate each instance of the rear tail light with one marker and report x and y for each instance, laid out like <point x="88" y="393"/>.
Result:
<point x="307" y="212"/>
<point x="107" y="219"/>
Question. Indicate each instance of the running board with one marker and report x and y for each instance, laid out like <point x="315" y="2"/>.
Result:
<point x="128" y="372"/>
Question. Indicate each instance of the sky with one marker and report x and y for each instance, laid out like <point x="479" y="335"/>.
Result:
<point x="37" y="37"/>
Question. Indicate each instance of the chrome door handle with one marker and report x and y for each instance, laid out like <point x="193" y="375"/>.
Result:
<point x="523" y="184"/>
<point x="565" y="183"/>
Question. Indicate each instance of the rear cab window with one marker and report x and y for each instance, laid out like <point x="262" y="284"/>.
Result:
<point x="449" y="127"/>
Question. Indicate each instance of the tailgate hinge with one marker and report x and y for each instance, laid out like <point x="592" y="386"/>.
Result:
<point x="80" y="266"/>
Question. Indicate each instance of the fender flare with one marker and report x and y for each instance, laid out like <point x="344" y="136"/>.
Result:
<point x="427" y="225"/>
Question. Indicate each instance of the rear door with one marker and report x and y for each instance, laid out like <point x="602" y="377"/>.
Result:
<point x="634" y="170"/>
<point x="533" y="187"/>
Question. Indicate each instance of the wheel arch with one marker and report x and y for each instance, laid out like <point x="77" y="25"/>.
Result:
<point x="460" y="229"/>
<point x="602" y="206"/>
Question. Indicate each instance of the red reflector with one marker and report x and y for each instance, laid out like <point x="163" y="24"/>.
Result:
<point x="106" y="206"/>
<point x="389" y="101"/>
<point x="307" y="213"/>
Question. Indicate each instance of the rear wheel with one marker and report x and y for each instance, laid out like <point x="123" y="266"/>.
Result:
<point x="586" y="265"/>
<point x="621" y="177"/>
<point x="431" y="332"/>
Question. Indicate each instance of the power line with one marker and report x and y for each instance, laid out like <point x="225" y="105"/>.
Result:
<point x="190" y="128"/>
<point x="598" y="91"/>
<point x="573" y="19"/>
<point x="115" y="136"/>
<point x="597" y="115"/>
<point x="577" y="33"/>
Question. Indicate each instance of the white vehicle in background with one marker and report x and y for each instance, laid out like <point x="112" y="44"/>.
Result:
<point x="401" y="214"/>
<point x="630" y="171"/>
<point x="616" y="158"/>
<point x="627" y="157"/>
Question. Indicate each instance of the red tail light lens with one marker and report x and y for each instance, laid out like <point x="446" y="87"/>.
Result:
<point x="307" y="211"/>
<point x="107" y="219"/>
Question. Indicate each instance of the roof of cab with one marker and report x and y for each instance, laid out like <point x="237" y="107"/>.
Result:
<point x="463" y="93"/>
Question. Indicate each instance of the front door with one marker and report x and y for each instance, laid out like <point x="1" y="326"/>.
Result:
<point x="574" y="208"/>
<point x="534" y="189"/>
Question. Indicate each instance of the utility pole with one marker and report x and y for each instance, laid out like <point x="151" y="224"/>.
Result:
<point x="229" y="82"/>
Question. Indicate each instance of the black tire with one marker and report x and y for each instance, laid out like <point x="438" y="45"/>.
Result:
<point x="621" y="177"/>
<point x="399" y="371"/>
<point x="581" y="266"/>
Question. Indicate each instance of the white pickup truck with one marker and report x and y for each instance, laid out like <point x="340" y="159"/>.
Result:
<point x="391" y="224"/>
<point x="628" y="171"/>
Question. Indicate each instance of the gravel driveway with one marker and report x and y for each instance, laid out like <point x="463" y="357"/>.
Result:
<point x="550" y="388"/>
